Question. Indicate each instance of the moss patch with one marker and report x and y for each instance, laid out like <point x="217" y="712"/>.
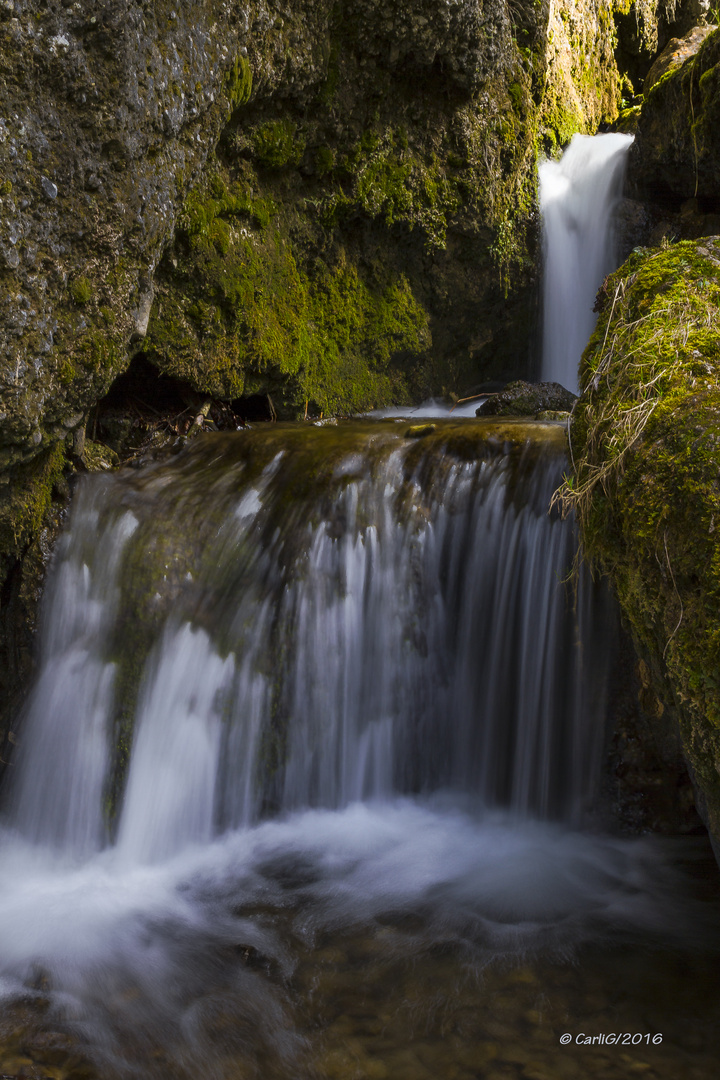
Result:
<point x="26" y="500"/>
<point x="246" y="310"/>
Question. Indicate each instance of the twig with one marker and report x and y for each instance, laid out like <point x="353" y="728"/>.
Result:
<point x="692" y="128"/>
<point x="145" y="404"/>
<point x="672" y="578"/>
<point x="474" y="397"/>
<point x="202" y="415"/>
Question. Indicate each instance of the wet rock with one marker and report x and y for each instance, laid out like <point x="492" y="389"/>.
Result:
<point x="528" y="399"/>
<point x="674" y="55"/>
<point x="48" y="187"/>
<point x="553" y="415"/>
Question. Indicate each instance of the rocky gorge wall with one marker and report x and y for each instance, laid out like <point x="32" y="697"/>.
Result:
<point x="331" y="202"/>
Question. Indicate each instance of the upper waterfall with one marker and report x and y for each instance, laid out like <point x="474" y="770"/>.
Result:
<point x="577" y="197"/>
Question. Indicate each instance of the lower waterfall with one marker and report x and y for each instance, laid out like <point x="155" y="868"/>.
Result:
<point x="308" y="777"/>
<point x="354" y="610"/>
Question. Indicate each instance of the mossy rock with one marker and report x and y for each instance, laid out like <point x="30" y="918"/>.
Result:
<point x="646" y="451"/>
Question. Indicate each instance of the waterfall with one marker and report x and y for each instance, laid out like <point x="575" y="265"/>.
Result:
<point x="302" y="687"/>
<point x="406" y="626"/>
<point x="577" y="198"/>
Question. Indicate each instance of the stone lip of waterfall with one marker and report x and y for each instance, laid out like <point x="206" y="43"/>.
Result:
<point x="578" y="195"/>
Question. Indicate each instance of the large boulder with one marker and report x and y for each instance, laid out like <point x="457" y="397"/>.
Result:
<point x="522" y="398"/>
<point x="646" y="451"/>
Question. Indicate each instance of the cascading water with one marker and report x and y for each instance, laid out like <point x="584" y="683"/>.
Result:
<point x="316" y="664"/>
<point x="315" y="742"/>
<point x="309" y="694"/>
<point x="578" y="194"/>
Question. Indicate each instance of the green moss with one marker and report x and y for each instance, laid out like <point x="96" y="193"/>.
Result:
<point x="559" y="124"/>
<point x="98" y="457"/>
<point x="239" y="82"/>
<point x="81" y="291"/>
<point x="324" y="161"/>
<point x="627" y="121"/>
<point x="320" y="333"/>
<point x="212" y="209"/>
<point x="26" y="500"/>
<point x="646" y="444"/>
<point x="276" y="145"/>
<point x="99" y="351"/>
<point x="382" y="177"/>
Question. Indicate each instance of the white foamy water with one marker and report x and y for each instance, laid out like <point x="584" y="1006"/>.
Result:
<point x="140" y="961"/>
<point x="578" y="194"/>
<point x="432" y="409"/>
<point x="492" y="883"/>
<point x="170" y="795"/>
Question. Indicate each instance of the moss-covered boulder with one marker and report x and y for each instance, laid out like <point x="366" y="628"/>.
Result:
<point x="646" y="453"/>
<point x="107" y="114"/>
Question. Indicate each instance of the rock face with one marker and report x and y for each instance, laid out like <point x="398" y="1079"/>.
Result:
<point x="108" y="111"/>
<point x="674" y="55"/>
<point x="646" y="449"/>
<point x="676" y="154"/>
<point x="370" y="238"/>
<point x="356" y="127"/>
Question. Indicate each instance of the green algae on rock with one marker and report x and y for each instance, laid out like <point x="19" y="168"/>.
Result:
<point x="646" y="450"/>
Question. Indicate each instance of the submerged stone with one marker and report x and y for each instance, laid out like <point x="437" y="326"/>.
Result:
<point x="418" y="431"/>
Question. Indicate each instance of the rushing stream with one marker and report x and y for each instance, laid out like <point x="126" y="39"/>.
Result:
<point x="309" y="783"/>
